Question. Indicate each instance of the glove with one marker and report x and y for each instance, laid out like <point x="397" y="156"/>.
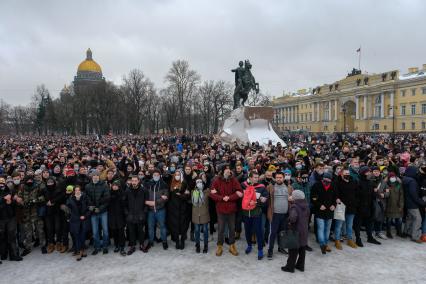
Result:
<point x="65" y="209"/>
<point x="97" y="210"/>
<point x="91" y="208"/>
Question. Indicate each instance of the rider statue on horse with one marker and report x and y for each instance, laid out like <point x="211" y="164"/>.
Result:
<point x="244" y="83"/>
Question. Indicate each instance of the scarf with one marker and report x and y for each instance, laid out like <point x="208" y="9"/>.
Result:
<point x="197" y="197"/>
<point x="326" y="186"/>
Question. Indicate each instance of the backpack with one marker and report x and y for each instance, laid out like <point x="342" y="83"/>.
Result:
<point x="249" y="195"/>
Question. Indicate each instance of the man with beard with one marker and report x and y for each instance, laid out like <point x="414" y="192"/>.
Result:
<point x="277" y="209"/>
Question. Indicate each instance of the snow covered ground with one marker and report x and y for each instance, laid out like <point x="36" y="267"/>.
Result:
<point x="395" y="261"/>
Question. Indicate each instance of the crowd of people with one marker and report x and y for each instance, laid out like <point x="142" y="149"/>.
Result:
<point x="69" y="194"/>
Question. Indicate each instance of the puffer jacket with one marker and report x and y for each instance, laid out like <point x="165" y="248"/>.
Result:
<point x="98" y="195"/>
<point x="411" y="189"/>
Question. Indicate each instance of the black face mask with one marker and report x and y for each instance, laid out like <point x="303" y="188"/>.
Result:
<point x="50" y="186"/>
<point x="29" y="183"/>
<point x="346" y="177"/>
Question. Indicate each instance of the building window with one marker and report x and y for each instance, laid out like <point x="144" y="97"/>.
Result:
<point x="310" y="116"/>
<point x="385" y="127"/>
<point x="424" y="90"/>
<point x="413" y="109"/>
<point x="423" y="108"/>
<point x="413" y="92"/>
<point x="423" y="125"/>
<point x="378" y="106"/>
<point x="376" y="126"/>
<point x="413" y="125"/>
<point x="402" y="110"/>
<point x="402" y="93"/>
<point x="403" y="126"/>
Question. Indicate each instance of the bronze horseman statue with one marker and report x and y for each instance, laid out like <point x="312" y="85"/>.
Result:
<point x="244" y="83"/>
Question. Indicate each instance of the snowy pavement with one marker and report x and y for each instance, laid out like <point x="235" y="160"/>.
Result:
<point x="395" y="261"/>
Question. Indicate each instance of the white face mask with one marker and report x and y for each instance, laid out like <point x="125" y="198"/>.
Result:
<point x="392" y="179"/>
<point x="287" y="177"/>
<point x="177" y="178"/>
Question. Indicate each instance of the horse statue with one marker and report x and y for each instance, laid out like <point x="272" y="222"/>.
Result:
<point x="244" y="83"/>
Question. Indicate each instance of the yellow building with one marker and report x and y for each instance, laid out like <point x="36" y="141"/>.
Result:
<point x="386" y="102"/>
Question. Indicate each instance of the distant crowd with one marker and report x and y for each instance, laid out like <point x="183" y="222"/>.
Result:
<point x="70" y="194"/>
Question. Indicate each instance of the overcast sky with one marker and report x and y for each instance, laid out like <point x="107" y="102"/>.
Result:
<point x="291" y="44"/>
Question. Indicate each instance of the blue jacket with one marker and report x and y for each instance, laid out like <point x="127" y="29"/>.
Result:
<point x="411" y="189"/>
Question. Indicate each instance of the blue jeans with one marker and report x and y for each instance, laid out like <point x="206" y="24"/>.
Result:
<point x="101" y="218"/>
<point x="154" y="217"/>
<point x="205" y="232"/>
<point x="349" y="220"/>
<point x="323" y="230"/>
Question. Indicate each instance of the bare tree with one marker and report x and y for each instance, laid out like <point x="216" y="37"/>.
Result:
<point x="182" y="83"/>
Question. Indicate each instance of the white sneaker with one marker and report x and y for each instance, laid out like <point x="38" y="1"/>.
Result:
<point x="381" y="235"/>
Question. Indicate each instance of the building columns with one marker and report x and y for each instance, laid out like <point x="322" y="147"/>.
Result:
<point x="318" y="112"/>
<point x="356" y="107"/>
<point x="391" y="111"/>
<point x="382" y="105"/>
<point x="335" y="110"/>
<point x="365" y="107"/>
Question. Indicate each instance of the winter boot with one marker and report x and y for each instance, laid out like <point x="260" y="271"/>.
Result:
<point x="248" y="249"/>
<point x="177" y="245"/>
<point x="372" y="240"/>
<point x="233" y="250"/>
<point x="237" y="235"/>
<point x="197" y="248"/>
<point x="287" y="269"/>
<point x="122" y="252"/>
<point x="131" y="250"/>
<point x="165" y="245"/>
<point x="327" y="248"/>
<point x="64" y="249"/>
<point x="219" y="250"/>
<point x="58" y="247"/>
<point x="359" y="242"/>
<point x="206" y="248"/>
<point x="116" y="249"/>
<point x="389" y="234"/>
<point x="43" y="250"/>
<point x="25" y="252"/>
<point x="83" y="253"/>
<point x="352" y="244"/>
<point x="423" y="238"/>
<point x="323" y="250"/>
<point x="259" y="254"/>
<point x="338" y="245"/>
<point x="270" y="254"/>
<point x="79" y="256"/>
<point x="50" y="248"/>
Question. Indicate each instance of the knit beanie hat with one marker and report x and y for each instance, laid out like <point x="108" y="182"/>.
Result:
<point x="298" y="194"/>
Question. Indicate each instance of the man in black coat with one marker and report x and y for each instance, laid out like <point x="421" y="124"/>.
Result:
<point x="8" y="222"/>
<point x="116" y="216"/>
<point x="347" y="193"/>
<point x="135" y="211"/>
<point x="365" y="211"/>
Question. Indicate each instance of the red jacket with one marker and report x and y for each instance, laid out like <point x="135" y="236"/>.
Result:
<point x="225" y="188"/>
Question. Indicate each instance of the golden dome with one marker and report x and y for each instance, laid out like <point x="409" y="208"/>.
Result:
<point x="89" y="64"/>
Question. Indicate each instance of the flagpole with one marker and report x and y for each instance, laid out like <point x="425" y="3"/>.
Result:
<point x="359" y="59"/>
